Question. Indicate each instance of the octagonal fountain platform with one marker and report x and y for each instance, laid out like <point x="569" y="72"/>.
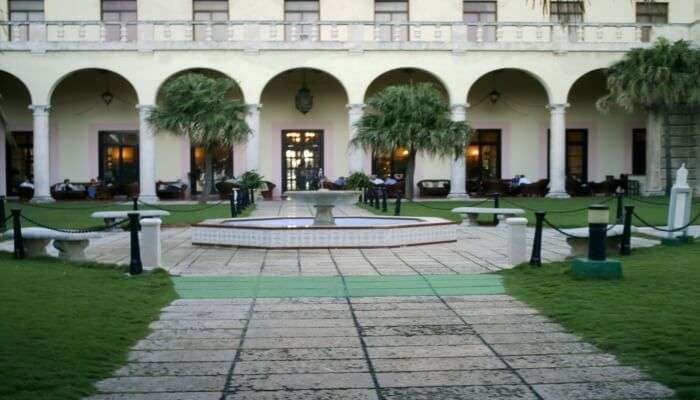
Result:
<point x="324" y="230"/>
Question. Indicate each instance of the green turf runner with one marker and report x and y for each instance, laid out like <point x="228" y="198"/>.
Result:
<point x="333" y="286"/>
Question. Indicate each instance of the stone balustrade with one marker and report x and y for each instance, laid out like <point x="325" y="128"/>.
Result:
<point x="456" y="36"/>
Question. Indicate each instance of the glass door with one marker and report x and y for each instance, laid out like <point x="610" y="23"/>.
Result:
<point x="302" y="159"/>
<point x="576" y="154"/>
<point x="119" y="159"/>
<point x="484" y="155"/>
<point x="20" y="161"/>
<point x="222" y="166"/>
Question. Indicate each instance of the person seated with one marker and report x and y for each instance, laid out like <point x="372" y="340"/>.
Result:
<point x="376" y="180"/>
<point x="523" y="181"/>
<point x="26" y="184"/>
<point x="515" y="181"/>
<point x="66" y="186"/>
<point x="92" y="189"/>
<point x="390" y="181"/>
<point x="340" y="182"/>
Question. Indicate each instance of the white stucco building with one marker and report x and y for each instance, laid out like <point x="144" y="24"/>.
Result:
<point x="79" y="77"/>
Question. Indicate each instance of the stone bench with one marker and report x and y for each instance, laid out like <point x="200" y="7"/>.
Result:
<point x="69" y="245"/>
<point x="579" y="244"/>
<point x="110" y="217"/>
<point x="472" y="213"/>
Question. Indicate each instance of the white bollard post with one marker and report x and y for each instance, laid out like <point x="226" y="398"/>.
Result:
<point x="517" y="242"/>
<point x="679" y="208"/>
<point x="150" y="242"/>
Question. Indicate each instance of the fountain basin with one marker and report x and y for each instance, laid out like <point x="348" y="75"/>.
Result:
<point x="348" y="232"/>
<point x="324" y="201"/>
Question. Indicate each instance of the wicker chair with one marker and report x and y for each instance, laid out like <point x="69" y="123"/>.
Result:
<point x="79" y="192"/>
<point x="225" y="188"/>
<point x="536" y="189"/>
<point x="175" y="190"/>
<point x="267" y="190"/>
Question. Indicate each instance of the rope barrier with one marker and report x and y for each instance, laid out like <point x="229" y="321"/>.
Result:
<point x="172" y="210"/>
<point x="37" y="205"/>
<point x="556" y="228"/>
<point x="470" y="204"/>
<point x="682" y="228"/>
<point x="652" y="203"/>
<point x="75" y="230"/>
<point x="605" y="201"/>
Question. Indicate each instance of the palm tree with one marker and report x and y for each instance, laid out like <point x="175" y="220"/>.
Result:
<point x="202" y="109"/>
<point x="414" y="117"/>
<point x="658" y="79"/>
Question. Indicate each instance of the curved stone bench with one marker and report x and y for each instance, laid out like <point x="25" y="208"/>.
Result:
<point x="472" y="213"/>
<point x="69" y="245"/>
<point x="110" y="217"/>
<point x="579" y="244"/>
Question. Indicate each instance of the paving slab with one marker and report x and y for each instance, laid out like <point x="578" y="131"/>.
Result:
<point x="447" y="378"/>
<point x="300" y="367"/>
<point x="353" y="380"/>
<point x="161" y="384"/>
<point x="437" y="364"/>
<point x="182" y="355"/>
<point x="175" y="369"/>
<point x="429" y="351"/>
<point x="158" y="396"/>
<point x="580" y="374"/>
<point x="492" y="392"/>
<point x="603" y="391"/>
<point x="561" y="361"/>
<point x="341" y="394"/>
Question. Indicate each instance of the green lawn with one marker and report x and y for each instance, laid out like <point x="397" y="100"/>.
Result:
<point x="651" y="212"/>
<point x="651" y="318"/>
<point x="77" y="214"/>
<point x="65" y="326"/>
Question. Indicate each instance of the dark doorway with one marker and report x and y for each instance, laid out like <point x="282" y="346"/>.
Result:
<point x="302" y="159"/>
<point x="119" y="159"/>
<point x="391" y="165"/>
<point x="222" y="165"/>
<point x="576" y="154"/>
<point x="19" y="161"/>
<point x="484" y="155"/>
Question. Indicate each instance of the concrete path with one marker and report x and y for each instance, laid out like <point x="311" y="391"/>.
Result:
<point x="429" y="347"/>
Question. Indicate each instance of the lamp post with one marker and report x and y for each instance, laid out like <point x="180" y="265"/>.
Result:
<point x="597" y="265"/>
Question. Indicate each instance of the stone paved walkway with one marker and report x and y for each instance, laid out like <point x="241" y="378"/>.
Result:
<point x="429" y="347"/>
<point x="478" y="250"/>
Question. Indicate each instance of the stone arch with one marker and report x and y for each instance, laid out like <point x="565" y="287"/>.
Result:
<point x="543" y="83"/>
<point x="411" y="74"/>
<point x="204" y="70"/>
<point x="63" y="78"/>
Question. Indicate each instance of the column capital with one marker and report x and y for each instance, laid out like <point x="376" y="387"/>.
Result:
<point x="145" y="107"/>
<point x="459" y="106"/>
<point x="254" y="107"/>
<point x="356" y="109"/>
<point x="558" y="107"/>
<point x="39" y="109"/>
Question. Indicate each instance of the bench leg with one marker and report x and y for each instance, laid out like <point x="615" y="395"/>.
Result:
<point x="36" y="247"/>
<point x="579" y="247"/>
<point x="470" y="220"/>
<point x="71" y="249"/>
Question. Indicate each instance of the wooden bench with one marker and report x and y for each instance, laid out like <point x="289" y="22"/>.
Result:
<point x="472" y="213"/>
<point x="579" y="244"/>
<point x="69" y="245"/>
<point x="110" y="217"/>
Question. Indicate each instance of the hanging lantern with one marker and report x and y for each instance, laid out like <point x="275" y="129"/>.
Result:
<point x="107" y="97"/>
<point x="304" y="100"/>
<point x="494" y="96"/>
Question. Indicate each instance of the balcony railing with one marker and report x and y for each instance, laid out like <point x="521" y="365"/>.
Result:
<point x="66" y="35"/>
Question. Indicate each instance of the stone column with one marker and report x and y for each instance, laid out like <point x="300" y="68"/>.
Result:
<point x="3" y="157"/>
<point x="147" y="156"/>
<point x="557" y="152"/>
<point x="356" y="155"/>
<point x="252" y="149"/>
<point x="655" y="127"/>
<point x="458" y="179"/>
<point x="42" y="173"/>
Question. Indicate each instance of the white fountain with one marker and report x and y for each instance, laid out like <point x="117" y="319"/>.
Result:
<point x="324" y="230"/>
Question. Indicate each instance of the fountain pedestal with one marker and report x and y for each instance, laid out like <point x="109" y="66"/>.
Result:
<point x="324" y="216"/>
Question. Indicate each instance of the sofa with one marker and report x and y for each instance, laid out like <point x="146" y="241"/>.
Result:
<point x="78" y="192"/>
<point x="434" y="188"/>
<point x="174" y="190"/>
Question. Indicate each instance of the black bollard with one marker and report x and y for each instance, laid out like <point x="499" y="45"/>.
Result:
<point x="598" y="217"/>
<point x="397" y="208"/>
<point x="252" y="196"/>
<point x="232" y="204"/>
<point x="135" y="203"/>
<point x="376" y="198"/>
<point x="17" y="233"/>
<point x="3" y="217"/>
<point x="135" y="266"/>
<point x="619" y="215"/>
<point x="626" y="244"/>
<point x="384" y="199"/>
<point x="536" y="258"/>
<point x="496" y="204"/>
<point x="365" y="196"/>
